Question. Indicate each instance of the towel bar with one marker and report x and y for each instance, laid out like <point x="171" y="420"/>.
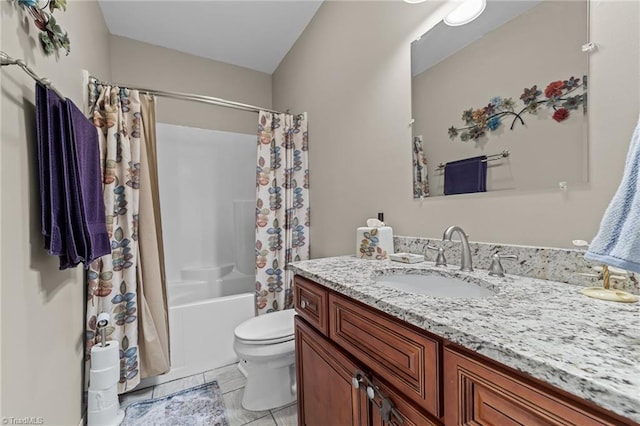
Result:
<point x="503" y="154"/>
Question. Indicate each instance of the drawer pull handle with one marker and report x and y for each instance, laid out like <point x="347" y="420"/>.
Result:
<point x="355" y="381"/>
<point x="304" y="303"/>
<point x="371" y="393"/>
<point x="386" y="408"/>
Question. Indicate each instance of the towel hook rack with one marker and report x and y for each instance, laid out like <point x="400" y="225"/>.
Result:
<point x="6" y="60"/>
<point x="503" y="154"/>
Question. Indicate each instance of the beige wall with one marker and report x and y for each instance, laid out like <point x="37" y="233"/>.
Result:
<point x="153" y="67"/>
<point x="351" y="71"/>
<point x="513" y="56"/>
<point x="42" y="308"/>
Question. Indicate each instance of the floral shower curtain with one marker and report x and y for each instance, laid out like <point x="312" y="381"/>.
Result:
<point x="282" y="211"/>
<point x="420" y="178"/>
<point x="115" y="283"/>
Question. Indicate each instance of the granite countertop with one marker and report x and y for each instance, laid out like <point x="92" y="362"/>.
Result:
<point x="587" y="347"/>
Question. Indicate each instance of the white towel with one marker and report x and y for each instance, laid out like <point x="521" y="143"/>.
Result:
<point x="618" y="240"/>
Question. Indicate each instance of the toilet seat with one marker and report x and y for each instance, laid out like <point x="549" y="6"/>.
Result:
<point x="266" y="341"/>
<point x="269" y="329"/>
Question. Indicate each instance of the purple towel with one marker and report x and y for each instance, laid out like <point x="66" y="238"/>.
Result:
<point x="50" y="145"/>
<point x="88" y="219"/>
<point x="42" y="129"/>
<point x="73" y="212"/>
<point x="73" y="238"/>
<point x="466" y="176"/>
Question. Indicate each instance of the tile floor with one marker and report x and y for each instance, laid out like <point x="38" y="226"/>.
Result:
<point x="231" y="382"/>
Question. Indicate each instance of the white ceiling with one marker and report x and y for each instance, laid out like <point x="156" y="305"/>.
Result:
<point x="248" y="33"/>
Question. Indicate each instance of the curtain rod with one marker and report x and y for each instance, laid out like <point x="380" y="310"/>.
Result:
<point x="6" y="60"/>
<point x="190" y="97"/>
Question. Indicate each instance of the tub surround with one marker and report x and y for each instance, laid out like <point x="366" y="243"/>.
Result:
<point x="546" y="329"/>
<point x="554" y="264"/>
<point x="219" y="295"/>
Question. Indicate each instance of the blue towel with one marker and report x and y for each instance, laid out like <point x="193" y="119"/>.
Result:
<point x="465" y="176"/>
<point x="618" y="240"/>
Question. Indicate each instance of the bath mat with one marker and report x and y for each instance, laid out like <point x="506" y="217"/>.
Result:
<point x="200" y="405"/>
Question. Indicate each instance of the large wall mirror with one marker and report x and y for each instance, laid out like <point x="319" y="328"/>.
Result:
<point x="511" y="86"/>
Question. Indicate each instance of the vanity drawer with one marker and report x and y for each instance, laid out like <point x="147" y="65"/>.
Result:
<point x="402" y="357"/>
<point x="311" y="303"/>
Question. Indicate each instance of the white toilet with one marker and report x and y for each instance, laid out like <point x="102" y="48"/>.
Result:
<point x="266" y="348"/>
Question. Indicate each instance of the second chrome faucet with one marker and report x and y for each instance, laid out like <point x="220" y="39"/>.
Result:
<point x="466" y="264"/>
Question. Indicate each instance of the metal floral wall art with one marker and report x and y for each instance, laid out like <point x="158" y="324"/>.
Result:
<point x="557" y="96"/>
<point x="52" y="36"/>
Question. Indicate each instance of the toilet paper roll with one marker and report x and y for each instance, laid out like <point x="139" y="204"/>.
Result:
<point x="102" y="399"/>
<point x="105" y="356"/>
<point x="104" y="378"/>
<point x="106" y="417"/>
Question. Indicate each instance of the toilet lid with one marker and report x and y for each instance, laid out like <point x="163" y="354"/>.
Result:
<point x="275" y="326"/>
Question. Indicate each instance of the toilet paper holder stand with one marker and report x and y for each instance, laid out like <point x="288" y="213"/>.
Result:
<point x="101" y="326"/>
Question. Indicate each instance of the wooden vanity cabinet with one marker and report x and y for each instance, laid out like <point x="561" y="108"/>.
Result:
<point x="336" y="340"/>
<point x="428" y="380"/>
<point x="326" y="392"/>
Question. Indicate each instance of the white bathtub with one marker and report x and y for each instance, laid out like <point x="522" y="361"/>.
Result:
<point x="204" y="309"/>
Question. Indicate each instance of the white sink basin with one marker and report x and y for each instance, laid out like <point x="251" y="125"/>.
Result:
<point x="434" y="285"/>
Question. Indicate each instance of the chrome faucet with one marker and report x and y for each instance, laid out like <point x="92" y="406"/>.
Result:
<point x="466" y="263"/>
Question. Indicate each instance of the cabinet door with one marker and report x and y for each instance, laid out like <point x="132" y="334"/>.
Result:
<point x="326" y="395"/>
<point x="477" y="393"/>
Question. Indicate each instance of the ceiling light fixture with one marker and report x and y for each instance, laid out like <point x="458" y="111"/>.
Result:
<point x="414" y="1"/>
<point x="465" y="13"/>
